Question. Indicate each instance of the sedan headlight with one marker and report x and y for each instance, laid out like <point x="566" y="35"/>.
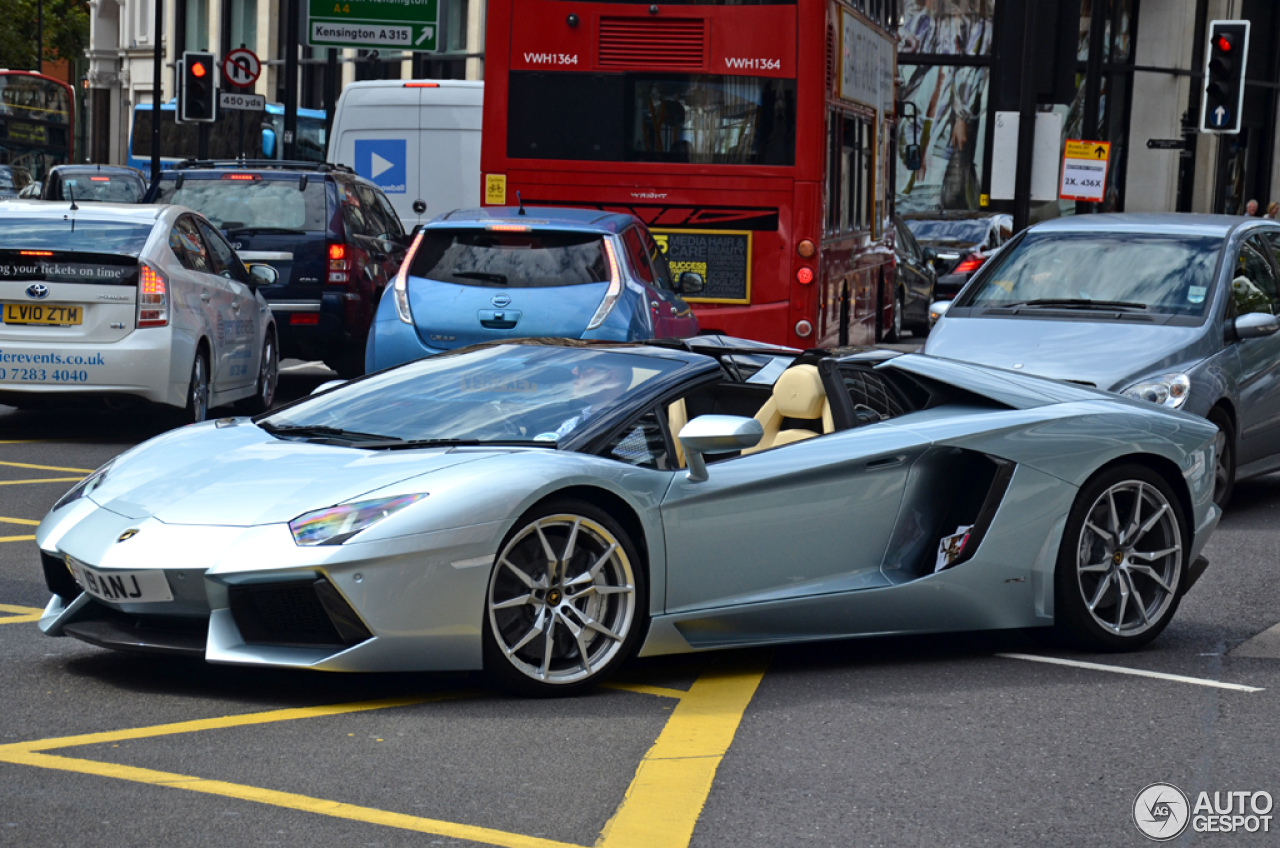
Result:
<point x="337" y="524"/>
<point x="84" y="487"/>
<point x="1167" y="390"/>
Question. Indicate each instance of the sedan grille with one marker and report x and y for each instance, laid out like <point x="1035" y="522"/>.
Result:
<point x="297" y="613"/>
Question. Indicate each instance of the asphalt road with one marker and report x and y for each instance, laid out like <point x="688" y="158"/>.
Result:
<point x="884" y="742"/>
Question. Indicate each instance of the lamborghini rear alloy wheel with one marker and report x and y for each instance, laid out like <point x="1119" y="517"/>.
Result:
<point x="1123" y="557"/>
<point x="565" y="600"/>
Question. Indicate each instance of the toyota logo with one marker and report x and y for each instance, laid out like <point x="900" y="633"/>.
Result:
<point x="38" y="290"/>
<point x="501" y="300"/>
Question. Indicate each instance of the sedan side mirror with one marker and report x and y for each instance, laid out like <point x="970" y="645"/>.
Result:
<point x="690" y="282"/>
<point x="930" y="254"/>
<point x="1253" y="325"/>
<point x="716" y="434"/>
<point x="263" y="275"/>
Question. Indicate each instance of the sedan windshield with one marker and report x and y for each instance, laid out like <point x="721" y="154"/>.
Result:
<point x="958" y="232"/>
<point x="493" y="394"/>
<point x="110" y="189"/>
<point x="68" y="233"/>
<point x="1155" y="273"/>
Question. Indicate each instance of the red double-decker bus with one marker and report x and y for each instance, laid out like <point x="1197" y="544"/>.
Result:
<point x="754" y="137"/>
<point x="37" y="123"/>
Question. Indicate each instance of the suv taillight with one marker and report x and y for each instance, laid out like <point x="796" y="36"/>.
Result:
<point x="153" y="298"/>
<point x="339" y="264"/>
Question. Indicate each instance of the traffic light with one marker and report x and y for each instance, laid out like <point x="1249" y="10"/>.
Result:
<point x="198" y="98"/>
<point x="1224" y="65"/>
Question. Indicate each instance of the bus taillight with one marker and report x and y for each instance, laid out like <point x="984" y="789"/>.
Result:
<point x="806" y="249"/>
<point x="804" y="276"/>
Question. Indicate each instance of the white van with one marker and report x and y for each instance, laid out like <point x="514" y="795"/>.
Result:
<point x="418" y="140"/>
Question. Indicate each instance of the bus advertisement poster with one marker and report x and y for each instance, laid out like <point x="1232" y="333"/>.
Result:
<point x="722" y="257"/>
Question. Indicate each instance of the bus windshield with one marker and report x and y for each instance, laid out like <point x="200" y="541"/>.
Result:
<point x="700" y="118"/>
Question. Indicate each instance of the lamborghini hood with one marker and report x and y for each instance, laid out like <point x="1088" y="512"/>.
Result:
<point x="240" y="476"/>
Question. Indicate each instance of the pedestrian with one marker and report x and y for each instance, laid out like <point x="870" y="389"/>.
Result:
<point x="1251" y="209"/>
<point x="1273" y="210"/>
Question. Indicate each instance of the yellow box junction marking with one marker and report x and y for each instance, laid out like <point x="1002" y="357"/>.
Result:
<point x="659" y="810"/>
<point x="41" y="480"/>
<point x="47" y="467"/>
<point x="19" y="614"/>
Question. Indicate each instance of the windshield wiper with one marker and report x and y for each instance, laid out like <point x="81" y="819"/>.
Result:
<point x="402" y="444"/>
<point x="272" y="231"/>
<point x="1075" y="303"/>
<point x="500" y="279"/>
<point x="316" y="430"/>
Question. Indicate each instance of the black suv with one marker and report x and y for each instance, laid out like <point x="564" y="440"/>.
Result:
<point x="333" y="236"/>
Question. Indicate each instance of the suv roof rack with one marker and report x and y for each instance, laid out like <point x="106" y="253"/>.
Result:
<point x="280" y="164"/>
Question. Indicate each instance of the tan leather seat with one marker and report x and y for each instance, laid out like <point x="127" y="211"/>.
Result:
<point x="677" y="417"/>
<point x="797" y="394"/>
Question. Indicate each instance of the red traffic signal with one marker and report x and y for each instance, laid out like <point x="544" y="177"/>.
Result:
<point x="1225" y="62"/>
<point x="197" y="98"/>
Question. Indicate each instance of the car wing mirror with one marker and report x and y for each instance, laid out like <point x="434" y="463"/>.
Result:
<point x="911" y="156"/>
<point x="930" y="254"/>
<point x="1254" y="325"/>
<point x="716" y="434"/>
<point x="263" y="275"/>
<point x="690" y="282"/>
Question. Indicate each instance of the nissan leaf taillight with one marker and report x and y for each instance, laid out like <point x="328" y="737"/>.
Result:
<point x="153" y="298"/>
<point x="611" y="294"/>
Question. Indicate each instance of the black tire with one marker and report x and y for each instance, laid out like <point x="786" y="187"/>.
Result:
<point x="516" y="651"/>
<point x="264" y="394"/>
<point x="197" y="408"/>
<point x="1107" y="559"/>
<point x="1224" y="472"/>
<point x="894" y="333"/>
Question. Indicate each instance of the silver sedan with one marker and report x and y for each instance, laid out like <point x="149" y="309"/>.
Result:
<point x="116" y="303"/>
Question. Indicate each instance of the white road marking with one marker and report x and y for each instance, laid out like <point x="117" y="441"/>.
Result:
<point x="1137" y="672"/>
<point x="304" y="365"/>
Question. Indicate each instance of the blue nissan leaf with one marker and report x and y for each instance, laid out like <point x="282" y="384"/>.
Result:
<point x="476" y="275"/>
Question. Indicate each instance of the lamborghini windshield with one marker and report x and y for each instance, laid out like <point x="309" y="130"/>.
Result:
<point x="506" y="393"/>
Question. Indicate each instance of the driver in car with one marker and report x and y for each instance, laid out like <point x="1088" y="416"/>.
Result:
<point x="595" y="386"/>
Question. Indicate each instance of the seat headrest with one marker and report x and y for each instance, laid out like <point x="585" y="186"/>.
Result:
<point x="798" y="393"/>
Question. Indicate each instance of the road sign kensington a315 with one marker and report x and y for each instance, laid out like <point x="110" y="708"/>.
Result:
<point x="395" y="24"/>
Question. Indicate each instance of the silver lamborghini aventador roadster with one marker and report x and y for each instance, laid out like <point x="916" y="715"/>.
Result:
<point x="545" y="509"/>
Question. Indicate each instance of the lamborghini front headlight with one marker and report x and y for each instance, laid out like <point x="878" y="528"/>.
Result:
<point x="336" y="524"/>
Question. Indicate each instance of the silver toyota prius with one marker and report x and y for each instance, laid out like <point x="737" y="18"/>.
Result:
<point x="113" y="303"/>
<point x="1179" y="310"/>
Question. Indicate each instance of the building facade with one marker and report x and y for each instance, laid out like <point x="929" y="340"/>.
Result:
<point x="122" y="43"/>
<point x="1128" y="72"/>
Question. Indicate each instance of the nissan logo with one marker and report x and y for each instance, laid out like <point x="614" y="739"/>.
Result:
<point x="499" y="300"/>
<point x="38" y="290"/>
